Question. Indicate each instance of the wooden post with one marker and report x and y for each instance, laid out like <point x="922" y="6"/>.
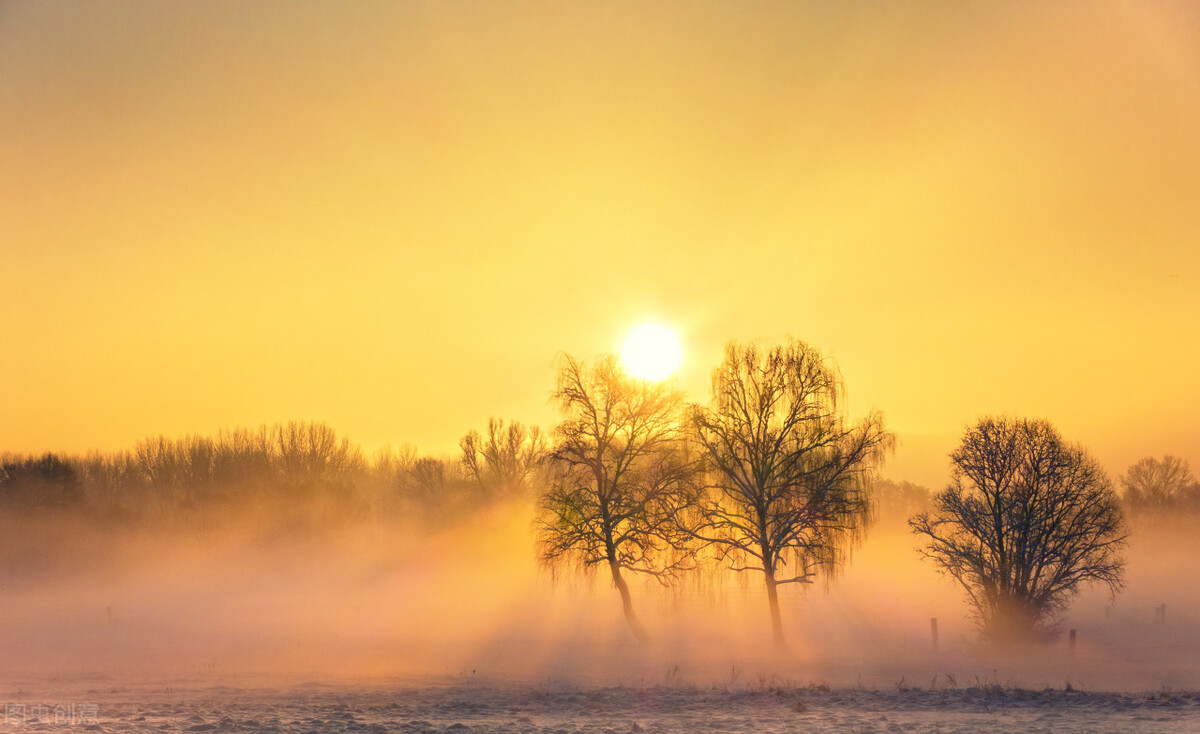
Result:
<point x="1071" y="644"/>
<point x="933" y="632"/>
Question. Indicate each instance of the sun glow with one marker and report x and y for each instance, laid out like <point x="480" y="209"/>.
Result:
<point x="651" y="352"/>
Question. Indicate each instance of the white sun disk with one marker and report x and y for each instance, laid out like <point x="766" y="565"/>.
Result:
<point x="651" y="352"/>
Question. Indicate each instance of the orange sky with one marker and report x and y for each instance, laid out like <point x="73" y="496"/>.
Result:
<point x="391" y="217"/>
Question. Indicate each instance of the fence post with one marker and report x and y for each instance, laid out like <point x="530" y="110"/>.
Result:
<point x="1071" y="644"/>
<point x="933" y="632"/>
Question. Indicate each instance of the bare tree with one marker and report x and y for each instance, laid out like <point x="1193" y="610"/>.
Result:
<point x="427" y="479"/>
<point x="504" y="462"/>
<point x="390" y="464"/>
<point x="618" y="478"/>
<point x="309" y="452"/>
<point x="897" y="501"/>
<point x="1159" y="487"/>
<point x="1026" y="521"/>
<point x="788" y="481"/>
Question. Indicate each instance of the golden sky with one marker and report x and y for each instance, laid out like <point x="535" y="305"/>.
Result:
<point x="391" y="217"/>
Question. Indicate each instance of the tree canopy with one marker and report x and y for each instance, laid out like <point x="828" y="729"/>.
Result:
<point x="619" y="478"/>
<point x="1026" y="520"/>
<point x="788" y="473"/>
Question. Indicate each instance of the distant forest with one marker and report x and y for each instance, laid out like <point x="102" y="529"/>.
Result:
<point x="325" y="478"/>
<point x="306" y="467"/>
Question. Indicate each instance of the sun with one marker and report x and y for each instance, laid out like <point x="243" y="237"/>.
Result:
<point x="651" y="352"/>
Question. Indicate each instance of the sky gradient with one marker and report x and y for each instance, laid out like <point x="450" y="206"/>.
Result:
<point x="391" y="217"/>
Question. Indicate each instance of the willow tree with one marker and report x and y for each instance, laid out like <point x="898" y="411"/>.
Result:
<point x="619" y="479"/>
<point x="788" y="481"/>
<point x="1025" y="522"/>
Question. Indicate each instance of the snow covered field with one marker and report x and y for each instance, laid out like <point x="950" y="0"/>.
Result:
<point x="559" y="708"/>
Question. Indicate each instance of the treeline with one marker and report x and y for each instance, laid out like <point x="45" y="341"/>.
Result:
<point x="286" y="472"/>
<point x="300" y="460"/>
<point x="266" y="488"/>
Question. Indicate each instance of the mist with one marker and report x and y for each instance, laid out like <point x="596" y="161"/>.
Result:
<point x="376" y="579"/>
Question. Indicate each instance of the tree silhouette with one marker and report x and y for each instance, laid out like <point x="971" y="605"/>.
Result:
<point x="47" y="481"/>
<point x="1160" y="487"/>
<point x="1026" y="520"/>
<point x="618" y="478"/>
<point x="504" y="462"/>
<point x="897" y="501"/>
<point x="788" y="480"/>
<point x="427" y="479"/>
<point x="311" y="453"/>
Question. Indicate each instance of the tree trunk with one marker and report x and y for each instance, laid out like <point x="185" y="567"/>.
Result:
<point x="773" y="598"/>
<point x="627" y="602"/>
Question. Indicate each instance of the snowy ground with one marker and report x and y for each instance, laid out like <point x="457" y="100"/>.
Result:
<point x="559" y="708"/>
